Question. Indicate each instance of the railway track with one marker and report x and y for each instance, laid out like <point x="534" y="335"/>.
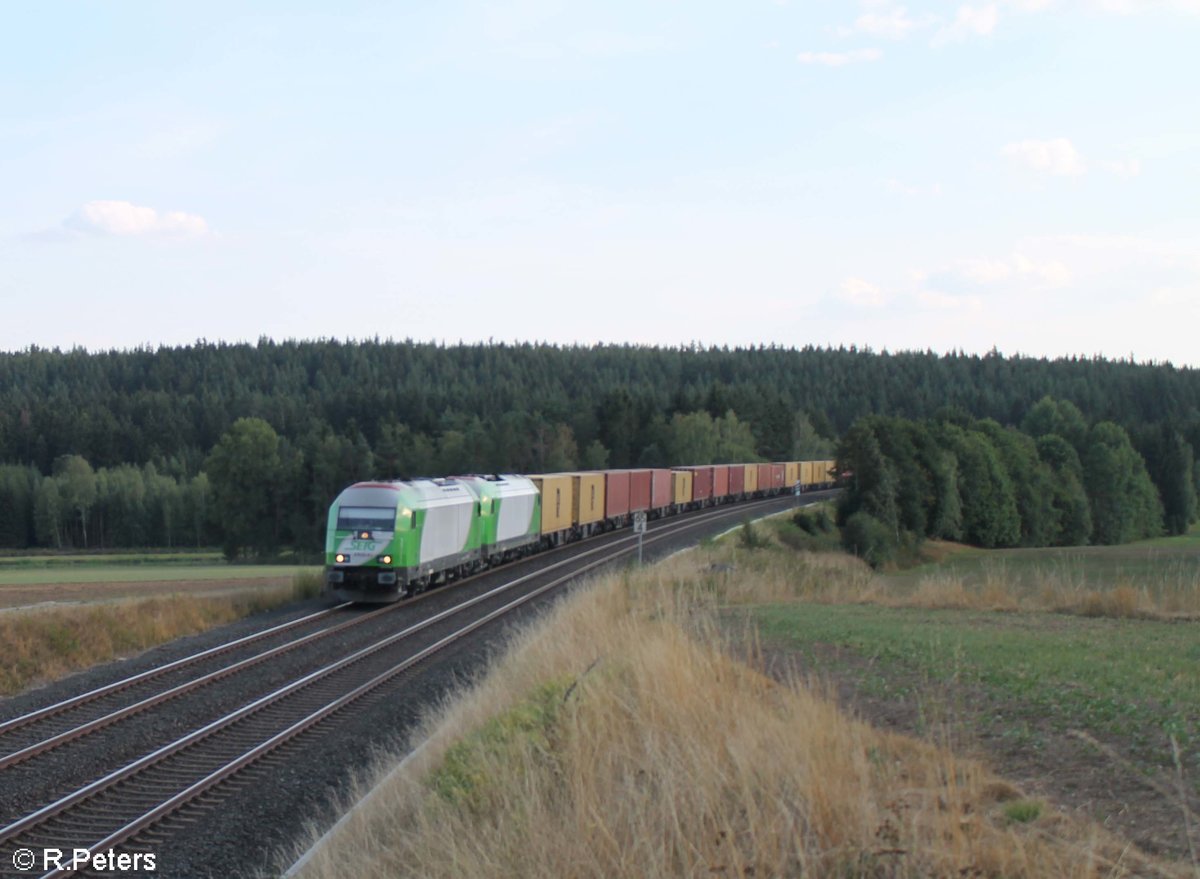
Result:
<point x="114" y="809"/>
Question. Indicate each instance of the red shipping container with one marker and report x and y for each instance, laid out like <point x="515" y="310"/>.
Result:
<point x="764" y="477"/>
<point x="777" y="474"/>
<point x="702" y="482"/>
<point x="720" y="480"/>
<point x="660" y="490"/>
<point x="616" y="493"/>
<point x="737" y="479"/>
<point x="639" y="490"/>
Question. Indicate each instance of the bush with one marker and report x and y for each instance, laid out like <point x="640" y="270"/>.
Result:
<point x="750" y="538"/>
<point x="814" y="520"/>
<point x="869" y="539"/>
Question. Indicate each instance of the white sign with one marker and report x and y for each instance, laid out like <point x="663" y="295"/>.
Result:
<point x="639" y="523"/>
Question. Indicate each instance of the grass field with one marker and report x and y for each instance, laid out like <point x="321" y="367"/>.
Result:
<point x="1131" y="680"/>
<point x="141" y="573"/>
<point x="1076" y="670"/>
<point x="61" y="559"/>
<point x="622" y="739"/>
<point x="43" y="643"/>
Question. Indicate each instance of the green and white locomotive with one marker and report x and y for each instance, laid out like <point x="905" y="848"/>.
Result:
<point x="386" y="540"/>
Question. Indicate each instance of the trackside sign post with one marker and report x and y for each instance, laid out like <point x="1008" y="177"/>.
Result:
<point x="639" y="528"/>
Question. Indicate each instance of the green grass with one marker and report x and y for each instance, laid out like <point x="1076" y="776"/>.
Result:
<point x="57" y="559"/>
<point x="1023" y="811"/>
<point x="1133" y="678"/>
<point x="1093" y="566"/>
<point x="141" y="573"/>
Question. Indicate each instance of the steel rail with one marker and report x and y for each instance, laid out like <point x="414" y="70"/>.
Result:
<point x="74" y="733"/>
<point x="222" y="773"/>
<point x="149" y="674"/>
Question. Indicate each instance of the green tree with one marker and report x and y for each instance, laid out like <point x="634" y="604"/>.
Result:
<point x="77" y="484"/>
<point x="874" y="486"/>
<point x="735" y="441"/>
<point x="807" y="443"/>
<point x="692" y="438"/>
<point x="243" y="468"/>
<point x="989" y="506"/>
<point x="47" y="513"/>
<point x="1124" y="503"/>
<point x="17" y="487"/>
<point x="1073" y="515"/>
<point x="595" y="456"/>
<point x="1059" y="417"/>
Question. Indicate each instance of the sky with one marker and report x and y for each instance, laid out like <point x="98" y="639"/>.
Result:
<point x="1021" y="175"/>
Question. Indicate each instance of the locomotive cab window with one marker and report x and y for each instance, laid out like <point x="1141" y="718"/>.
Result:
<point x="366" y="519"/>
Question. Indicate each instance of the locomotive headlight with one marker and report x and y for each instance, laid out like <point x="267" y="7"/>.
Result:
<point x="387" y="559"/>
<point x="339" y="558"/>
<point x="365" y="535"/>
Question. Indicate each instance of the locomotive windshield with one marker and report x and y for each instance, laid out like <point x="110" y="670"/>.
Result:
<point x="366" y="519"/>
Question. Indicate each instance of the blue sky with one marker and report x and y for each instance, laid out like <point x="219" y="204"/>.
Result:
<point x="1018" y="174"/>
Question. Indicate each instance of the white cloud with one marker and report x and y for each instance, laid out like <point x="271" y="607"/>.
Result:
<point x="899" y="187"/>
<point x="1050" y="273"/>
<point x="893" y="24"/>
<point x="1059" y="156"/>
<point x="856" y="291"/>
<point x="839" y="59"/>
<point x="1056" y="156"/>
<point x="1188" y="296"/>
<point x="123" y="218"/>
<point x="1123" y="167"/>
<point x="944" y="301"/>
<point x="969" y="21"/>
<point x="1117" y="7"/>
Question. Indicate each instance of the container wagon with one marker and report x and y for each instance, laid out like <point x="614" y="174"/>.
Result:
<point x="587" y="490"/>
<point x="557" y="520"/>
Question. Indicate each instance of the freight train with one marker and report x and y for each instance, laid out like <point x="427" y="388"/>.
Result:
<point x="388" y="540"/>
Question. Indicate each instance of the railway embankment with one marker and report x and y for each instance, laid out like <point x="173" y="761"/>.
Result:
<point x="645" y="727"/>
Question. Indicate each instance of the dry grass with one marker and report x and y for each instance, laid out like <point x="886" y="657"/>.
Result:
<point x="619" y="739"/>
<point x="781" y="574"/>
<point x="44" y="644"/>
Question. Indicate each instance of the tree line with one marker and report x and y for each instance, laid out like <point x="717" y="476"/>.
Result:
<point x="1055" y="480"/>
<point x="259" y="492"/>
<point x="148" y="419"/>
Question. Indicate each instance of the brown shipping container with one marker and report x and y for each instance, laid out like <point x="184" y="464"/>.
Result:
<point x="702" y="482"/>
<point x="616" y="493"/>
<point x="791" y="474"/>
<point x="751" y="478"/>
<point x="777" y="473"/>
<point x="588" y="491"/>
<point x="557" y="508"/>
<point x="660" y="488"/>
<point x="681" y="486"/>
<point x="720" y="480"/>
<point x="639" y="490"/>
<point x="764" y="477"/>
<point x="737" y="479"/>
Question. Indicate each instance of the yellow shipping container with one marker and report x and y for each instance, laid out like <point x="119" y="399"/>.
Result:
<point x="681" y="486"/>
<point x="807" y="469"/>
<point x="557" y="505"/>
<point x="791" y="473"/>
<point x="751" y="478"/>
<point x="828" y="473"/>
<point x="588" y="503"/>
